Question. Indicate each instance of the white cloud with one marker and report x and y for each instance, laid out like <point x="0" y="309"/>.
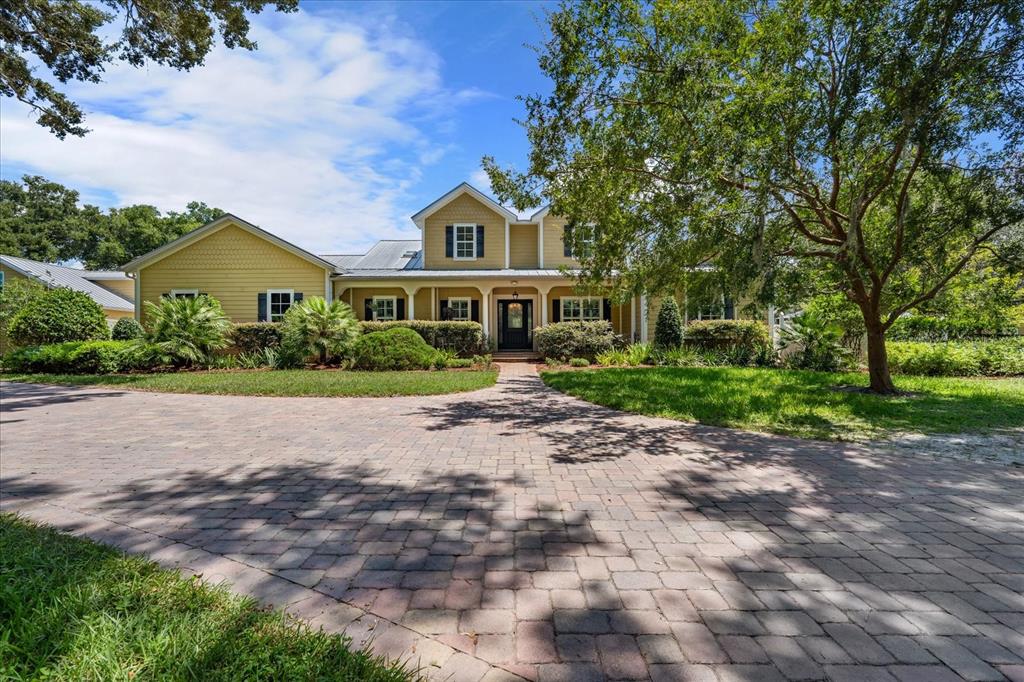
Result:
<point x="315" y="136"/>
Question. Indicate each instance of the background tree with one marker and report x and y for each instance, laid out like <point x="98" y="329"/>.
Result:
<point x="76" y="39"/>
<point x="874" y="144"/>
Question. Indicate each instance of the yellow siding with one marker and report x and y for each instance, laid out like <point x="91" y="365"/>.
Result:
<point x="464" y="209"/>
<point x="523" y="246"/>
<point x="122" y="287"/>
<point x="234" y="266"/>
<point x="554" y="250"/>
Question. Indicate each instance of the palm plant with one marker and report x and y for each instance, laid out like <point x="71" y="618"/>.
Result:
<point x="317" y="327"/>
<point x="186" y="331"/>
<point x="819" y="343"/>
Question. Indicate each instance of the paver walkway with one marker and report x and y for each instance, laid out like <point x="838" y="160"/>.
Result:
<point x="518" y="531"/>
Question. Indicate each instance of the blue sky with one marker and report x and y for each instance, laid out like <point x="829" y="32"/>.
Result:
<point x="348" y="119"/>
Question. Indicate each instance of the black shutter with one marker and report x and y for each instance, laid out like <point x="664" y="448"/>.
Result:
<point x="261" y="307"/>
<point x="367" y="309"/>
<point x="474" y="311"/>
<point x="479" y="241"/>
<point x="607" y="309"/>
<point x="730" y="309"/>
<point x="567" y="241"/>
<point x="444" y="309"/>
<point x="166" y="294"/>
<point x="449" y="241"/>
<point x="556" y="310"/>
<point x="399" y="308"/>
<point x="202" y="293"/>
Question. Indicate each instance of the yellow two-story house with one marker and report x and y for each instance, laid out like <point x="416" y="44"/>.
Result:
<point x="476" y="260"/>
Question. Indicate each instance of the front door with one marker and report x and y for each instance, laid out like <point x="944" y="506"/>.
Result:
<point x="515" y="320"/>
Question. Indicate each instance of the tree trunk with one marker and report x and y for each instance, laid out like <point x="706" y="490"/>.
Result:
<point x="878" y="360"/>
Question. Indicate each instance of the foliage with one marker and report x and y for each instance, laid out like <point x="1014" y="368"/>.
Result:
<point x="1002" y="357"/>
<point x="74" y="609"/>
<point x="465" y="338"/>
<point x="914" y="327"/>
<point x="721" y="334"/>
<point x="485" y="361"/>
<point x="265" y="357"/>
<point x="444" y="358"/>
<point x="668" y="330"/>
<point x="676" y="357"/>
<point x="579" y="362"/>
<point x="871" y="149"/>
<point x="75" y="40"/>
<point x="392" y="349"/>
<point x="15" y="295"/>
<point x="253" y="337"/>
<point x="58" y="315"/>
<point x="801" y="403"/>
<point x="78" y="357"/>
<point x="638" y="354"/>
<point x="186" y="331"/>
<point x="553" y="362"/>
<point x="318" y="328"/>
<point x="127" y="329"/>
<point x="458" y="363"/>
<point x="836" y="309"/>
<point x="818" y="344"/>
<point x="564" y="340"/>
<point x="614" y="357"/>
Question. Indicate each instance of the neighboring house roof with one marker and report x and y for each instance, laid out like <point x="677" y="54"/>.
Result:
<point x="459" y="190"/>
<point x="58" y="276"/>
<point x="200" y="232"/>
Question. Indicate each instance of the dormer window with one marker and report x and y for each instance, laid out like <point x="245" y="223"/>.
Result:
<point x="465" y="242"/>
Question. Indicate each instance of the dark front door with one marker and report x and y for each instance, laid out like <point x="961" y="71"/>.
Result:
<point x="515" y="319"/>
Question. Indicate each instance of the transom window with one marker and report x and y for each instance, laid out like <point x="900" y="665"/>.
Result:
<point x="465" y="242"/>
<point x="581" y="309"/>
<point x="458" y="309"/>
<point x="384" y="308"/>
<point x="278" y="303"/>
<point x="184" y="293"/>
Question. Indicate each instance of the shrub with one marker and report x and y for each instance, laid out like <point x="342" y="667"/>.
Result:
<point x="459" y="363"/>
<point x="564" y="340"/>
<point x="1002" y="357"/>
<point x="465" y="338"/>
<point x="668" y="330"/>
<point x="483" y="361"/>
<point x="127" y="329"/>
<point x="914" y="327"/>
<point x="254" y="337"/>
<point x="396" y="348"/>
<point x="739" y="342"/>
<point x="676" y="357"/>
<point x="579" y="362"/>
<point x="186" y="331"/>
<point x="78" y="357"/>
<point x="57" y="316"/>
<point x="15" y="294"/>
<point x="611" y="358"/>
<point x="638" y="354"/>
<point x="819" y="344"/>
<point x="553" y="362"/>
<point x="320" y="328"/>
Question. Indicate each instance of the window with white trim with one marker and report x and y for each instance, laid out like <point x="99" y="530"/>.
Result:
<point x="384" y="308"/>
<point x="459" y="309"/>
<point x="465" y="242"/>
<point x="184" y="293"/>
<point x="579" y="240"/>
<point x="278" y="303"/>
<point x="582" y="309"/>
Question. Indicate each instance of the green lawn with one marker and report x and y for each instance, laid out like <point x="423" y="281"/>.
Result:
<point x="71" y="609"/>
<point x="800" y="403"/>
<point x="296" y="382"/>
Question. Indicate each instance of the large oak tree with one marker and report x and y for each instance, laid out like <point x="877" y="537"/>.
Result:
<point x="873" y="146"/>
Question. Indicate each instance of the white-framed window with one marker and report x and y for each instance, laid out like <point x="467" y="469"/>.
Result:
<point x="711" y="311"/>
<point x="579" y="240"/>
<point x="278" y="303"/>
<point x="384" y="308"/>
<point x="582" y="309"/>
<point x="465" y="242"/>
<point x="184" y="293"/>
<point x="459" y="309"/>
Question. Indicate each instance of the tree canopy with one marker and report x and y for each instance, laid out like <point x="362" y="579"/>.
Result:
<point x="75" y="40"/>
<point x="872" y="148"/>
<point x="43" y="221"/>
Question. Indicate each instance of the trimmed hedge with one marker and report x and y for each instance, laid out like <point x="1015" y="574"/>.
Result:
<point x="731" y="342"/>
<point x="929" y="328"/>
<point x="56" y="316"/>
<point x="566" y="340"/>
<point x="998" y="357"/>
<point x="127" y="329"/>
<point x="253" y="337"/>
<point x="464" y="338"/>
<point x="392" y="349"/>
<point x="79" y="357"/>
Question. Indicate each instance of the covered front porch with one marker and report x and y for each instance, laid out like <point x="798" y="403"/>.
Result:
<point x="508" y="308"/>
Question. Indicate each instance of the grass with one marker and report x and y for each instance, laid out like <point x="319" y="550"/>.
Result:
<point x="72" y="609"/>
<point x="297" y="382"/>
<point x="800" y="403"/>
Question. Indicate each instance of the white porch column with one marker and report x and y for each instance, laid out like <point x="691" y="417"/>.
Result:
<point x="485" y="314"/>
<point x="410" y="296"/>
<point x="632" y="318"/>
<point x="543" y="308"/>
<point x="643" y="318"/>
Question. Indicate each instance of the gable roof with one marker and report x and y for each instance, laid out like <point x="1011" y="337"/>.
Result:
<point x="200" y="232"/>
<point x="458" y="191"/>
<point x="58" y="276"/>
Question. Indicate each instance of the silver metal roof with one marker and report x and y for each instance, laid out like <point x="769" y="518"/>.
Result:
<point x="387" y="254"/>
<point x="70" y="278"/>
<point x="515" y="273"/>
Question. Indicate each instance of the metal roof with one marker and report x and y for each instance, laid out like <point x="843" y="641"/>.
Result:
<point x="514" y="273"/>
<point x="55" y="276"/>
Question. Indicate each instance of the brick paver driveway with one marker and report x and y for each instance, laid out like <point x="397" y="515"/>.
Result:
<point x="515" y="530"/>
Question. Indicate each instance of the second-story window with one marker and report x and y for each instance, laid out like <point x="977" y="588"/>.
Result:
<point x="465" y="242"/>
<point x="578" y="241"/>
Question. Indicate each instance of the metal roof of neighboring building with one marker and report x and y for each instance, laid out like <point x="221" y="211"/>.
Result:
<point x="70" y="278"/>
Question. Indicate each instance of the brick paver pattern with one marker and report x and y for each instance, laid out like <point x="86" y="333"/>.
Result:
<point x="525" y="533"/>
